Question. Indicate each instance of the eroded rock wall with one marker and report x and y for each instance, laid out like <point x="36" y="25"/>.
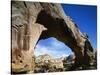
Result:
<point x="25" y="34"/>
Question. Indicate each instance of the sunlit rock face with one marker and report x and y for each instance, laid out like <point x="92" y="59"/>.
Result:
<point x="47" y="63"/>
<point x="32" y="21"/>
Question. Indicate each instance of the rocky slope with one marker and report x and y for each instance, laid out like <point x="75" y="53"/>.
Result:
<point x="46" y="63"/>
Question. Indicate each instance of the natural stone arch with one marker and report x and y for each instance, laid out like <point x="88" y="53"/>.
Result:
<point x="34" y="21"/>
<point x="56" y="27"/>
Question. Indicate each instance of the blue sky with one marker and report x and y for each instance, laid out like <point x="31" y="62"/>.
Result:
<point x="52" y="47"/>
<point x="85" y="17"/>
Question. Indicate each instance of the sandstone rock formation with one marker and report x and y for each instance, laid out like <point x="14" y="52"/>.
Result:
<point x="46" y="63"/>
<point x="43" y="58"/>
<point x="32" y="21"/>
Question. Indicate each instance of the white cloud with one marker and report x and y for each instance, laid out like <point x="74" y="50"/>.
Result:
<point x="52" y="47"/>
<point x="64" y="55"/>
<point x="41" y="50"/>
<point x="57" y="43"/>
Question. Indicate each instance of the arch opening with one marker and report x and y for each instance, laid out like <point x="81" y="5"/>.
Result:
<point x="50" y="53"/>
<point x="53" y="47"/>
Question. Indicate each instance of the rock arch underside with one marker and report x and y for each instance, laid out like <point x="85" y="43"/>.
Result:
<point x="33" y="21"/>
